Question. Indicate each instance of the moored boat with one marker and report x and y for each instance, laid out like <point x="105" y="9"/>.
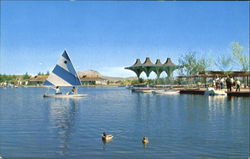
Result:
<point x="212" y="91"/>
<point x="64" y="95"/>
<point x="166" y="91"/>
<point x="142" y="90"/>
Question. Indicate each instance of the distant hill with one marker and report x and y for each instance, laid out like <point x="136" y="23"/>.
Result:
<point x="92" y="74"/>
<point x="118" y="78"/>
<point x="89" y="74"/>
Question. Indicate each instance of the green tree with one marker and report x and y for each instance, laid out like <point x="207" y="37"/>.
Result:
<point x="191" y="64"/>
<point x="141" y="80"/>
<point x="224" y="63"/>
<point x="239" y="57"/>
<point x="8" y="78"/>
<point x="26" y="76"/>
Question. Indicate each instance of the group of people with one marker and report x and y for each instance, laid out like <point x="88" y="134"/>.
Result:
<point x="58" y="91"/>
<point x="230" y="83"/>
<point x="218" y="83"/>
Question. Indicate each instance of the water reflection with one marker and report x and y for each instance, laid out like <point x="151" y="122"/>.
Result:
<point x="227" y="104"/>
<point x="105" y="143"/>
<point x="138" y="104"/>
<point x="217" y="104"/>
<point x="143" y="108"/>
<point x="62" y="113"/>
<point x="145" y="145"/>
<point x="183" y="126"/>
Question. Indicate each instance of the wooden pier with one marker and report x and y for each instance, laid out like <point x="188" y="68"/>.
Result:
<point x="243" y="93"/>
<point x="239" y="94"/>
<point x="192" y="91"/>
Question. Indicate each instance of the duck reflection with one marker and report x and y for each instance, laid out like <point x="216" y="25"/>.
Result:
<point x="62" y="113"/>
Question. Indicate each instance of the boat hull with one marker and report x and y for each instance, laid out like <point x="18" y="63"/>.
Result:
<point x="166" y="92"/>
<point x="212" y="91"/>
<point x="64" y="95"/>
<point x="140" y="90"/>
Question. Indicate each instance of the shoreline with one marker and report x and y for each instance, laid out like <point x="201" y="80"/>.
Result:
<point x="245" y="92"/>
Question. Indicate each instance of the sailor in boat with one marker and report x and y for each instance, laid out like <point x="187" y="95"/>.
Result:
<point x="58" y="91"/>
<point x="73" y="90"/>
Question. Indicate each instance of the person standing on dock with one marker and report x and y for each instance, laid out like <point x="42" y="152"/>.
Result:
<point x="231" y="84"/>
<point x="228" y="83"/>
<point x="217" y="83"/>
<point x="214" y="84"/>
<point x="221" y="83"/>
<point x="237" y="85"/>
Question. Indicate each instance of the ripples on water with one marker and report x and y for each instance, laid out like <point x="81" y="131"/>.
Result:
<point x="178" y="126"/>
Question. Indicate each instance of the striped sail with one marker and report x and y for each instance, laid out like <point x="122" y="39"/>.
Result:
<point x="63" y="74"/>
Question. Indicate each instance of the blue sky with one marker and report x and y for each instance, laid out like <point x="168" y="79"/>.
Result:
<point x="109" y="35"/>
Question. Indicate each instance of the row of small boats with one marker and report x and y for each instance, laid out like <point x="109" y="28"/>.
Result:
<point x="166" y="91"/>
<point x="155" y="91"/>
<point x="209" y="91"/>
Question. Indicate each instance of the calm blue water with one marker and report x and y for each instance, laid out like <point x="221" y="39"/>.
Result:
<point x="178" y="126"/>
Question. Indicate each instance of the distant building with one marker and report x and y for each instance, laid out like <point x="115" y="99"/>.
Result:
<point x="91" y="77"/>
<point x="88" y="77"/>
<point x="37" y="80"/>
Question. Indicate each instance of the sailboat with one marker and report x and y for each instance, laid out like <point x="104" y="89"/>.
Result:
<point x="63" y="74"/>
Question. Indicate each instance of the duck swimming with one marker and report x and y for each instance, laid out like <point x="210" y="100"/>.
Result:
<point x="106" y="137"/>
<point x="145" y="140"/>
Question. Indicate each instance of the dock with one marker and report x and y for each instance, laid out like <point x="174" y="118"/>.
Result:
<point x="244" y="93"/>
<point x="201" y="91"/>
<point x="192" y="91"/>
<point x="239" y="94"/>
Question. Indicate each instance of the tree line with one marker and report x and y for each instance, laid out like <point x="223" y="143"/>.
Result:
<point x="16" y="78"/>
<point x="13" y="78"/>
<point x="192" y="64"/>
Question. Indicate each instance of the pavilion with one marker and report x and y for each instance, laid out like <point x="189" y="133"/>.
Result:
<point x="217" y="74"/>
<point x="149" y="67"/>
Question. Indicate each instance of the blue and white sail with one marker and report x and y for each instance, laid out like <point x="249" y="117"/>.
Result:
<point x="63" y="74"/>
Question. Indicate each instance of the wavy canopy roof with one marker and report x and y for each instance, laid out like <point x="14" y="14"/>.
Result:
<point x="147" y="66"/>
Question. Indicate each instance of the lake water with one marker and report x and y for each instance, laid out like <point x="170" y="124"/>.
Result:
<point x="178" y="126"/>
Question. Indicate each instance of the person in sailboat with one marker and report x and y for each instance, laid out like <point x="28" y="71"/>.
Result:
<point x="58" y="91"/>
<point x="73" y="90"/>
